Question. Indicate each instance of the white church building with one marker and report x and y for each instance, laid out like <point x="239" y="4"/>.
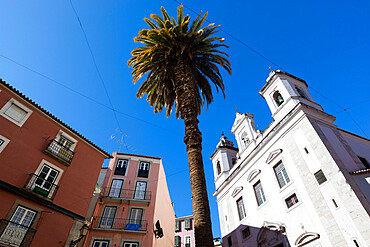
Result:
<point x="300" y="182"/>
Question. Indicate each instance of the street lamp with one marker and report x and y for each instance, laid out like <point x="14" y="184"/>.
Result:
<point x="83" y="232"/>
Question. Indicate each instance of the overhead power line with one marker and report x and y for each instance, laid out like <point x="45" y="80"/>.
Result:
<point x="272" y="62"/>
<point x="87" y="97"/>
<point x="97" y="69"/>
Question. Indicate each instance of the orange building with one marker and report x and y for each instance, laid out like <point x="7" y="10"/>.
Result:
<point x="134" y="208"/>
<point x="48" y="172"/>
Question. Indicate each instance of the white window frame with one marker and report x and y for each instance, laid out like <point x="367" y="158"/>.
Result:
<point x="105" y="225"/>
<point x="129" y="213"/>
<point x="5" y="143"/>
<point x="185" y="238"/>
<point x="255" y="193"/>
<point x="14" y="232"/>
<point x="31" y="185"/>
<point x="241" y="217"/>
<point x="68" y="137"/>
<point x="100" y="239"/>
<point x="17" y="103"/>
<point x="276" y="175"/>
<point x="295" y="205"/>
<point x="131" y="242"/>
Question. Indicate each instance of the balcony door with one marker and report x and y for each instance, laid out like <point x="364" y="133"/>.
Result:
<point x="18" y="226"/>
<point x="140" y="190"/>
<point x="108" y="217"/>
<point x="115" y="189"/>
<point x="45" y="180"/>
<point x="136" y="215"/>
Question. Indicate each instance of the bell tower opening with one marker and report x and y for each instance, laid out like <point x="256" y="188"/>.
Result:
<point x="278" y="98"/>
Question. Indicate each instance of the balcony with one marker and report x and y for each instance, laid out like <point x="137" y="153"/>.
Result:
<point x="13" y="234"/>
<point x="59" y="152"/>
<point x="114" y="194"/>
<point x="41" y="187"/>
<point x="122" y="225"/>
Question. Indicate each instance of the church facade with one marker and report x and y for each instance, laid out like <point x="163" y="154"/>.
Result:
<point x="300" y="182"/>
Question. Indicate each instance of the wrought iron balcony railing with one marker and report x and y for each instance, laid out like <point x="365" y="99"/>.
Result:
<point x="60" y="152"/>
<point x="41" y="186"/>
<point x="119" y="224"/>
<point x="13" y="234"/>
<point x="116" y="192"/>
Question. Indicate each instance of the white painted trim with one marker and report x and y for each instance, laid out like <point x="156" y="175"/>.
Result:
<point x="6" y="141"/>
<point x="15" y="102"/>
<point x="52" y="166"/>
<point x="62" y="133"/>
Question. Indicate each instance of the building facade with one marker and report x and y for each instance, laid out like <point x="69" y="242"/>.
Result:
<point x="47" y="171"/>
<point x="134" y="208"/>
<point x="300" y="182"/>
<point x="184" y="232"/>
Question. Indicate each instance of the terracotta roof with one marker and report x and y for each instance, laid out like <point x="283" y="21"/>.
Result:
<point x="24" y="97"/>
<point x="361" y="172"/>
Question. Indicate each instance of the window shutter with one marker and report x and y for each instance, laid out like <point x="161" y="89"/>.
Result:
<point x="177" y="226"/>
<point x="187" y="224"/>
<point x="177" y="241"/>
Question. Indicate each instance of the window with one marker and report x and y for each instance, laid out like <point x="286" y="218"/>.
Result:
<point x="278" y="98"/>
<point x="291" y="201"/>
<point x="143" y="170"/>
<point x="140" y="190"/>
<point x="260" y="195"/>
<point x="100" y="243"/>
<point x="241" y="209"/>
<point x="229" y="241"/>
<point x="121" y="167"/>
<point x="246" y="232"/>
<point x="44" y="182"/>
<point x="15" y="112"/>
<point x="187" y="224"/>
<point x="65" y="142"/>
<point x="281" y="174"/>
<point x="115" y="189"/>
<point x="177" y="241"/>
<point x="187" y="241"/>
<point x="3" y="142"/>
<point x="136" y="215"/>
<point x="364" y="162"/>
<point x="320" y="177"/>
<point x="218" y="168"/>
<point x="177" y="226"/>
<point x="130" y="244"/>
<point x="18" y="226"/>
<point x="108" y="217"/>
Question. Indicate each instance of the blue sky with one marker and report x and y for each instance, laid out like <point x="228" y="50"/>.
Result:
<point x="325" y="43"/>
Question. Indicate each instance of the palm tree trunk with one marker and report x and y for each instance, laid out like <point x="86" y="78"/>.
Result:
<point x="184" y="87"/>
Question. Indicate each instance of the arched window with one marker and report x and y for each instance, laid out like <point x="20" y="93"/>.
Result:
<point x="300" y="92"/>
<point x="218" y="167"/>
<point x="245" y="139"/>
<point x="278" y="98"/>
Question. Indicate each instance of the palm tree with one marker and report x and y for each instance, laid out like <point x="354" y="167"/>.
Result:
<point x="180" y="61"/>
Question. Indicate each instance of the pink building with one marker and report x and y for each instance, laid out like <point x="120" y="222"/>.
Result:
<point x="134" y="207"/>
<point x="184" y="232"/>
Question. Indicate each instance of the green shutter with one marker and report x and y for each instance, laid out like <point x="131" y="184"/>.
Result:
<point x="177" y="226"/>
<point x="187" y="224"/>
<point x="177" y="241"/>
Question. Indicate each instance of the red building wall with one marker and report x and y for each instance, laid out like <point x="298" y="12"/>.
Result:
<point x="24" y="154"/>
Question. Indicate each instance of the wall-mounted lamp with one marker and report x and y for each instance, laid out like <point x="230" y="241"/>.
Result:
<point x="83" y="232"/>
